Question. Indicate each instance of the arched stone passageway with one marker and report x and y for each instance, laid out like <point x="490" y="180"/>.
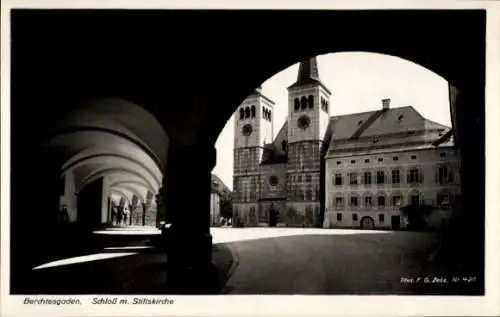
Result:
<point x="190" y="96"/>
<point x="91" y="154"/>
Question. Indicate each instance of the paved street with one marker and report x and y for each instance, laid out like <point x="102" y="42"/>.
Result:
<point x="315" y="261"/>
<point x="266" y="261"/>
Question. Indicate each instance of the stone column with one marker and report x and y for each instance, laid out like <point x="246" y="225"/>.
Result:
<point x="187" y="185"/>
<point x="468" y="120"/>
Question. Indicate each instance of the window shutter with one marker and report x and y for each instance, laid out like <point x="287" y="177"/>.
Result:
<point x="450" y="175"/>
<point x="420" y="175"/>
<point x="408" y="176"/>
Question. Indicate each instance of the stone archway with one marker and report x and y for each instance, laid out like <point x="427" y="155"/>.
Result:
<point x="367" y="223"/>
<point x="185" y="95"/>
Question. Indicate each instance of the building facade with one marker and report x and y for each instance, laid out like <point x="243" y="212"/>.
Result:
<point x="220" y="197"/>
<point x="215" y="217"/>
<point x="352" y="171"/>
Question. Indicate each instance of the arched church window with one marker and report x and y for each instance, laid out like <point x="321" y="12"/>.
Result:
<point x="247" y="112"/>
<point x="310" y="101"/>
<point x="303" y="102"/>
<point x="242" y="113"/>
<point x="296" y="104"/>
<point x="253" y="111"/>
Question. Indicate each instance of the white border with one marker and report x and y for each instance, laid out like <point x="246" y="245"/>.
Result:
<point x="278" y="305"/>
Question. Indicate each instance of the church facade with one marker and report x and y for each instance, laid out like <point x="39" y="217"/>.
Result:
<point x="322" y="171"/>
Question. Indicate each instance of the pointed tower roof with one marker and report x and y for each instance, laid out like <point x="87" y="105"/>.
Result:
<point x="308" y="74"/>
<point x="308" y="69"/>
<point x="258" y="92"/>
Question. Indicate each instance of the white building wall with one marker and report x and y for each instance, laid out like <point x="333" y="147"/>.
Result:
<point x="427" y="161"/>
<point x="214" y="210"/>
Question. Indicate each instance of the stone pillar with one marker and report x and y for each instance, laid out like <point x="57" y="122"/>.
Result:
<point x="187" y="185"/>
<point x="468" y="120"/>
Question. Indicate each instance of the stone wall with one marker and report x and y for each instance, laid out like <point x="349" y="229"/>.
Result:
<point x="273" y="181"/>
<point x="302" y="214"/>
<point x="266" y="207"/>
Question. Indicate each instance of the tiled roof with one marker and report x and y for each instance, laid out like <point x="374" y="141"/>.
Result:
<point x="282" y="134"/>
<point x="258" y="93"/>
<point x="272" y="151"/>
<point x="218" y="185"/>
<point x="382" y="128"/>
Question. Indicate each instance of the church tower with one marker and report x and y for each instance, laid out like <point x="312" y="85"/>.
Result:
<point x="308" y="117"/>
<point x="253" y="128"/>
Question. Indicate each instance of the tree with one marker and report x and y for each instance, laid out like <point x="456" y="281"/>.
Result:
<point x="416" y="214"/>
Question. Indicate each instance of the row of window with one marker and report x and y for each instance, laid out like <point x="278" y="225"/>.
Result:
<point x="396" y="200"/>
<point x="298" y="193"/>
<point x="381" y="217"/>
<point x="250" y="112"/>
<point x="304" y="102"/>
<point x="394" y="158"/>
<point x="298" y="178"/>
<point x="413" y="176"/>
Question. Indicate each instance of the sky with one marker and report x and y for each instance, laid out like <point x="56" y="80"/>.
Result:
<point x="358" y="82"/>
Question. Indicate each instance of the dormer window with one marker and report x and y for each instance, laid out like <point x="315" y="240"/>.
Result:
<point x="360" y="122"/>
<point x="400" y="117"/>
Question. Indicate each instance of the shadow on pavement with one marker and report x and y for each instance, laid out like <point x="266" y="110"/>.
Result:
<point x="361" y="264"/>
<point x="141" y="273"/>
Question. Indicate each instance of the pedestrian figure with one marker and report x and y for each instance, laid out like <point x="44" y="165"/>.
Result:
<point x="126" y="214"/>
<point x="119" y="216"/>
<point x="114" y="214"/>
<point x="63" y="216"/>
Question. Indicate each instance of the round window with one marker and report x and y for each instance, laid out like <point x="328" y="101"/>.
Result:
<point x="273" y="180"/>
<point x="304" y="122"/>
<point x="247" y="129"/>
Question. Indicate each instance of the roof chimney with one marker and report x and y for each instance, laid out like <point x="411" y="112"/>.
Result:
<point x="386" y="103"/>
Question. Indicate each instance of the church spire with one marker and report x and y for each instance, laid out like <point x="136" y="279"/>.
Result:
<point x="308" y="70"/>
<point x="308" y="74"/>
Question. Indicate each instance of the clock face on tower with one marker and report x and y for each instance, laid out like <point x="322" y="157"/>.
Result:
<point x="303" y="122"/>
<point x="247" y="129"/>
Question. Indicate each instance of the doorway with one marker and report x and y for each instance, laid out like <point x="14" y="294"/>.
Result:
<point x="395" y="222"/>
<point x="367" y="223"/>
<point x="273" y="217"/>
